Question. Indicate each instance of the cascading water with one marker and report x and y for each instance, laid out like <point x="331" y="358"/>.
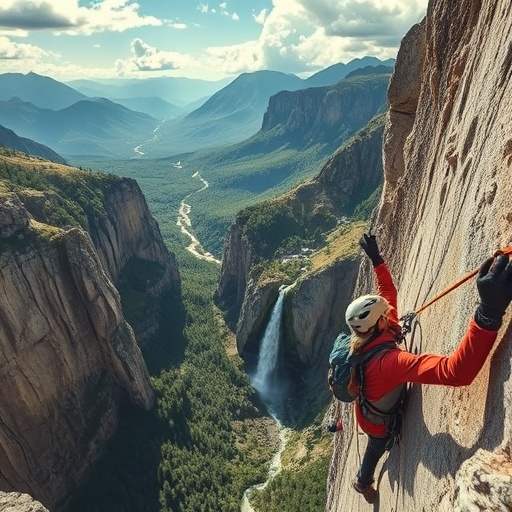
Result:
<point x="269" y="387"/>
<point x="264" y="379"/>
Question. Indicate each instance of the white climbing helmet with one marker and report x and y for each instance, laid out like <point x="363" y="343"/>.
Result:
<point x="363" y="313"/>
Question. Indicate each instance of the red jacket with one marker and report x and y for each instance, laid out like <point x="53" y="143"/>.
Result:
<point x="395" y="367"/>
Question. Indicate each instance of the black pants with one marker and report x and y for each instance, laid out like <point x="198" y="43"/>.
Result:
<point x="374" y="451"/>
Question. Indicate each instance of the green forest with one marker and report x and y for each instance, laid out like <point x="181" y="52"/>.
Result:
<point x="209" y="438"/>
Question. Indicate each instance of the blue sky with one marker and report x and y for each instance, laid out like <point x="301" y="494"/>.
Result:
<point x="68" y="39"/>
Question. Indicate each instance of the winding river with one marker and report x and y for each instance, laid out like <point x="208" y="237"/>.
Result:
<point x="185" y="225"/>
<point x="275" y="467"/>
<point x="198" y="251"/>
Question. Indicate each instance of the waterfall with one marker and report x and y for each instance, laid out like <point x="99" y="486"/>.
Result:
<point x="263" y="379"/>
<point x="270" y="388"/>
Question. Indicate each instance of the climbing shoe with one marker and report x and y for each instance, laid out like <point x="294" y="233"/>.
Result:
<point x="368" y="491"/>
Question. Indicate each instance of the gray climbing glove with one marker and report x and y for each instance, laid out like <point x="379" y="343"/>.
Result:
<point x="495" y="290"/>
<point x="369" y="245"/>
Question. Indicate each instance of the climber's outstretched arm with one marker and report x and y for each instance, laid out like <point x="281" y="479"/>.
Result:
<point x="494" y="284"/>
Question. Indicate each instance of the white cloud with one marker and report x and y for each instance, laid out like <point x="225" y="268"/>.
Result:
<point x="147" y="58"/>
<point x="377" y="19"/>
<point x="260" y="17"/>
<point x="19" y="51"/>
<point x="231" y="60"/>
<point x="66" y="16"/>
<point x="177" y="25"/>
<point x="298" y="36"/>
<point x="306" y="35"/>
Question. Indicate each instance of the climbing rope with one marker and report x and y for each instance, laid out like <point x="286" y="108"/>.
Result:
<point x="410" y="324"/>
<point x="410" y="318"/>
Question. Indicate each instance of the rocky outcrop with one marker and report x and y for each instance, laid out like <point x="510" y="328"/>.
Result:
<point x="69" y="361"/>
<point x="234" y="272"/>
<point x="18" y="502"/>
<point x="327" y="115"/>
<point x="445" y="208"/>
<point x="129" y="230"/>
<point x="14" y="218"/>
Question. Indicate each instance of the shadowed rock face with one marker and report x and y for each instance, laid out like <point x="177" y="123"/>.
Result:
<point x="68" y="359"/>
<point x="445" y="208"/>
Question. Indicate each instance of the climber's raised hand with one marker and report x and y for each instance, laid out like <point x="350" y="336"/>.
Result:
<point x="494" y="284"/>
<point x="369" y="245"/>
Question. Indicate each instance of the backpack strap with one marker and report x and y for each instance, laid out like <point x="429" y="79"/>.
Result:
<point x="390" y="404"/>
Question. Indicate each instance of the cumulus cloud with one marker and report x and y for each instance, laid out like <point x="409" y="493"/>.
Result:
<point x="67" y="16"/>
<point x="23" y="52"/>
<point x="298" y="36"/>
<point x="381" y="20"/>
<point x="148" y="58"/>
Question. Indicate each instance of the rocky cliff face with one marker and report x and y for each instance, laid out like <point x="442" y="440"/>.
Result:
<point x="234" y="272"/>
<point x="327" y="114"/>
<point x="445" y="208"/>
<point x="122" y="235"/>
<point x="352" y="174"/>
<point x="18" y="502"/>
<point x="69" y="360"/>
<point x="313" y="313"/>
<point x="129" y="231"/>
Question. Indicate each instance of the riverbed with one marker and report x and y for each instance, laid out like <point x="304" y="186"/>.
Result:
<point x="185" y="225"/>
<point x="275" y="467"/>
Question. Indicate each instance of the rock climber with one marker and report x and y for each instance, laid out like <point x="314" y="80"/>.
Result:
<point x="373" y="319"/>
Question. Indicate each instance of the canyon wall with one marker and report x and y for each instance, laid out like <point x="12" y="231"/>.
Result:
<point x="314" y="308"/>
<point x="69" y="361"/>
<point x="445" y="208"/>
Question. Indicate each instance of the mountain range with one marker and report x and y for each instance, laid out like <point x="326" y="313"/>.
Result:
<point x="10" y="140"/>
<point x="235" y="113"/>
<point x="73" y="123"/>
<point x="89" y="126"/>
<point x="300" y="130"/>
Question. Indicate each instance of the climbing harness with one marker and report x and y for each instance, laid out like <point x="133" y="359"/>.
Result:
<point x="411" y="325"/>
